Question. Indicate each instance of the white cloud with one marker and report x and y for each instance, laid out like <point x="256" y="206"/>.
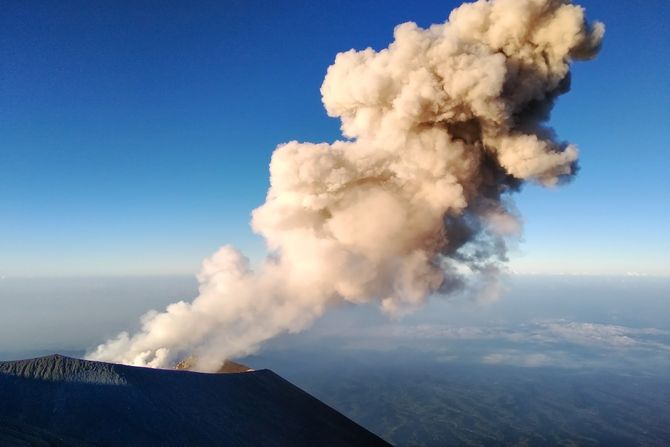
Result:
<point x="517" y="358"/>
<point x="541" y="333"/>
<point x="602" y="335"/>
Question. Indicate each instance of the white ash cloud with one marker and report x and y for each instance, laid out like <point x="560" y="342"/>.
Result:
<point x="440" y="128"/>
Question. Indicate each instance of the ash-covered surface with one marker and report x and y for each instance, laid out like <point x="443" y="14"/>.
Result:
<point x="57" y="400"/>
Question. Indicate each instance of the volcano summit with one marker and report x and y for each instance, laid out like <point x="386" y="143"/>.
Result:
<point x="57" y="401"/>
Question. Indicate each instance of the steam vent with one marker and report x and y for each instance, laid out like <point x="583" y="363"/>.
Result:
<point x="62" y="401"/>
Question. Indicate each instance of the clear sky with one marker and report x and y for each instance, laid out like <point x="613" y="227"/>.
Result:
<point x="135" y="136"/>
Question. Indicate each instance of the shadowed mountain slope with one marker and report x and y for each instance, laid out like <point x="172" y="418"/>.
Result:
<point x="57" y="400"/>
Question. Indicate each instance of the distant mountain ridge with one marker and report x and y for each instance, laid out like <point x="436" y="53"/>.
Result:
<point x="57" y="400"/>
<point x="56" y="368"/>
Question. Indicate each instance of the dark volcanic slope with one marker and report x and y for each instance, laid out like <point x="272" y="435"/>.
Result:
<point x="58" y="400"/>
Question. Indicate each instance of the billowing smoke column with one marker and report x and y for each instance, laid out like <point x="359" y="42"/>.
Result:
<point x="441" y="126"/>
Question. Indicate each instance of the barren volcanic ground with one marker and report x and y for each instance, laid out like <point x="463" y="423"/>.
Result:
<point x="57" y="400"/>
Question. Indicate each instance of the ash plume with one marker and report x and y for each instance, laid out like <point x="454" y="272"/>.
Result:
<point x="440" y="128"/>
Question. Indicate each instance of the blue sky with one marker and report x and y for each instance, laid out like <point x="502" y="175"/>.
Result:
<point x="135" y="136"/>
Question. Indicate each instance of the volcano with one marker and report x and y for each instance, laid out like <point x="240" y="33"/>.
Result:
<point x="62" y="401"/>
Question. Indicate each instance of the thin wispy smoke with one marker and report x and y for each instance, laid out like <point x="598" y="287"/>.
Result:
<point x="440" y="128"/>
